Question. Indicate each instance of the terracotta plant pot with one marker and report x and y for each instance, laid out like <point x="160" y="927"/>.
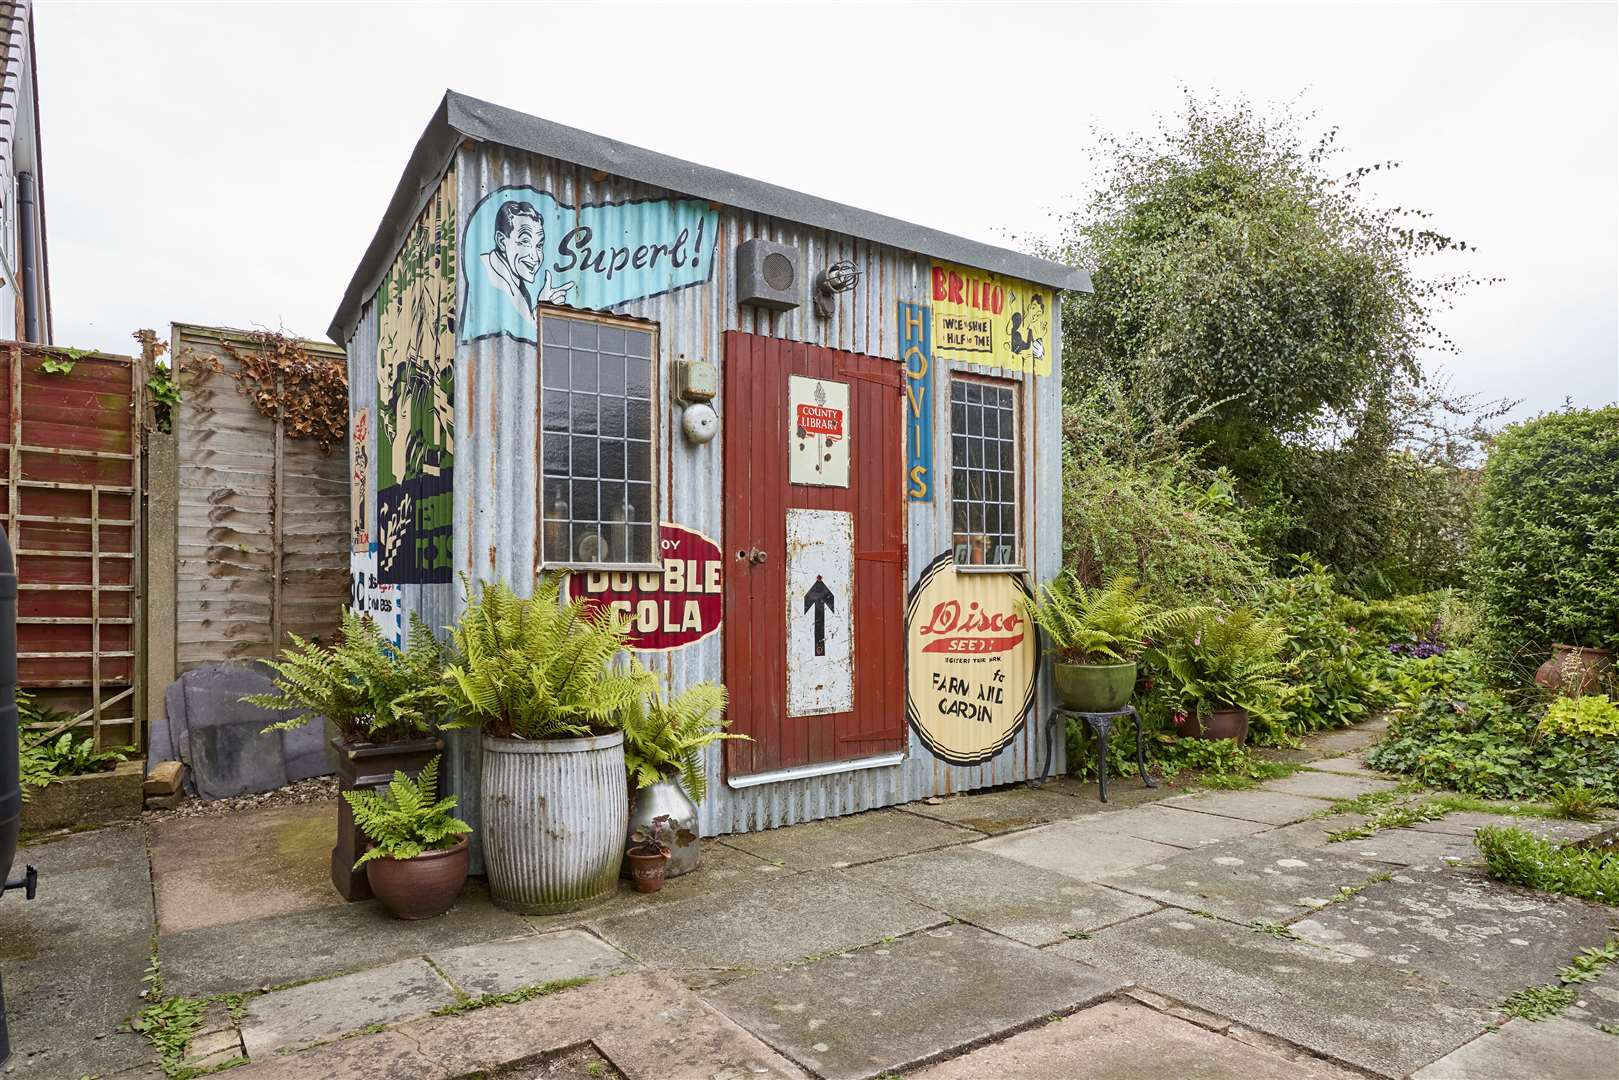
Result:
<point x="1094" y="687"/>
<point x="667" y="799"/>
<point x="368" y="765"/>
<point x="1225" y="722"/>
<point x="1575" y="670"/>
<point x="422" y="887"/>
<point x="648" y="868"/>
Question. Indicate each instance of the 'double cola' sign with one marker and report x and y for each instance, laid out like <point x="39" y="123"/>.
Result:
<point x="668" y="608"/>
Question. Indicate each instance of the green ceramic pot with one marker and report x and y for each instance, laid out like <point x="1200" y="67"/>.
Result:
<point x="1094" y="687"/>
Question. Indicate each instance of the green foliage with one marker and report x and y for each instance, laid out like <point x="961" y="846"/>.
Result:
<point x="665" y="738"/>
<point x="511" y="997"/>
<point x="1521" y="858"/>
<point x="1108" y="624"/>
<point x="168" y="1025"/>
<point x="1593" y="716"/>
<point x="1393" y="817"/>
<point x="1579" y="803"/>
<point x="1219" y="763"/>
<point x="1539" y="1002"/>
<point x="66" y="756"/>
<point x="407" y="817"/>
<point x="1545" y="564"/>
<point x="165" y="395"/>
<point x="1229" y="659"/>
<point x="372" y="691"/>
<point x="541" y="669"/>
<point x="63" y="361"/>
<point x="35" y="766"/>
<point x="1589" y="963"/>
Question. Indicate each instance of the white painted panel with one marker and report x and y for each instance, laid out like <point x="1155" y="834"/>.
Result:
<point x="818" y="432"/>
<point x="820" y="606"/>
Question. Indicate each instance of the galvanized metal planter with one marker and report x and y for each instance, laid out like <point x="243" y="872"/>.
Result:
<point x="555" y="813"/>
<point x="668" y="798"/>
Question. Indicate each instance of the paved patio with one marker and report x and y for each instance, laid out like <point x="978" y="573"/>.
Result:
<point x="1014" y="933"/>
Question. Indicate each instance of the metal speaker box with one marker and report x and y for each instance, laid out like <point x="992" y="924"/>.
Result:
<point x="768" y="275"/>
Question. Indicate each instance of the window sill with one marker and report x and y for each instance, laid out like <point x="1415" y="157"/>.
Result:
<point x="980" y="568"/>
<point x="614" y="568"/>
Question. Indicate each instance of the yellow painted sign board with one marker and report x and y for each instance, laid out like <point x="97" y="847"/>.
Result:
<point x="993" y="321"/>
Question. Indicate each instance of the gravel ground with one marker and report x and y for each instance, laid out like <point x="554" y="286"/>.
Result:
<point x="314" y="790"/>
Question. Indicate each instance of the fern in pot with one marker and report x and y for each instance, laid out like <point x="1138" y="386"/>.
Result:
<point x="384" y="702"/>
<point x="545" y="682"/>
<point x="663" y="747"/>
<point x="1224" y="664"/>
<point x="1096" y="636"/>
<point x="417" y="861"/>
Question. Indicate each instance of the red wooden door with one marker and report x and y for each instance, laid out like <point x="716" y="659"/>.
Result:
<point x="758" y="607"/>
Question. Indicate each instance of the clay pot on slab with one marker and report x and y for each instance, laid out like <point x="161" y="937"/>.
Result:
<point x="648" y="868"/>
<point x="1575" y="670"/>
<point x="422" y="887"/>
<point x="368" y="765"/>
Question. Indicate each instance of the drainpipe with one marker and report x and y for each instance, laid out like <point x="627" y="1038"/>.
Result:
<point x="10" y="787"/>
<point x="28" y="261"/>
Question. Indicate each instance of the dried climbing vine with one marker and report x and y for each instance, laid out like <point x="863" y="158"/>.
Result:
<point x="284" y="380"/>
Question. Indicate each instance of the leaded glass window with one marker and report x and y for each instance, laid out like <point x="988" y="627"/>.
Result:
<point x="984" y="472"/>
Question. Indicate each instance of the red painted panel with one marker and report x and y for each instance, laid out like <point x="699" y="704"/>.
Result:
<point x="757" y="497"/>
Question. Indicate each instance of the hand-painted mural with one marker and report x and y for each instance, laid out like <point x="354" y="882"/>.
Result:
<point x="916" y="355"/>
<point x="360" y="512"/>
<point x="971" y="657"/>
<point x="527" y="247"/>
<point x="368" y="596"/>
<point x="415" y="421"/>
<point x="985" y="319"/>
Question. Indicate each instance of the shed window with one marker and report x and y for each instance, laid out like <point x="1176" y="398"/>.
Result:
<point x="597" y="481"/>
<point x="984" y="472"/>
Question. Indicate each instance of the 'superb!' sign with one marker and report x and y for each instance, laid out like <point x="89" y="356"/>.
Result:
<point x="668" y="608"/>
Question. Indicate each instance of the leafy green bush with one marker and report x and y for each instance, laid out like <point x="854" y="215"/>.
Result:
<point x="1592" y="716"/>
<point x="1545" y="563"/>
<point x="406" y="818"/>
<point x="665" y="738"/>
<point x="1521" y="858"/>
<point x="1108" y="624"/>
<point x="1225" y="659"/>
<point x="1332" y="669"/>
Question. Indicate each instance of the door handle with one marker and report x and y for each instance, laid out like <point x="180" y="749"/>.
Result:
<point x="756" y="556"/>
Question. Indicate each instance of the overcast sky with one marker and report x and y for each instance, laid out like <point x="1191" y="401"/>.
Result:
<point x="228" y="163"/>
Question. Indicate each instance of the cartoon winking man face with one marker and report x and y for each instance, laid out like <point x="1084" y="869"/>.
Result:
<point x="518" y="254"/>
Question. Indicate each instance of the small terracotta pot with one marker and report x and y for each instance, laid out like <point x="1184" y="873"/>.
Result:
<point x="1576" y="670"/>
<point x="1227" y="722"/>
<point x="422" y="887"/>
<point x="648" y="869"/>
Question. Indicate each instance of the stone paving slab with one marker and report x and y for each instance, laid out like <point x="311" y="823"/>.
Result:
<point x="1177" y="826"/>
<point x="1373" y="1015"/>
<point x="646" y="1024"/>
<point x="1025" y="903"/>
<point x="317" y="944"/>
<point x="788" y="920"/>
<point x="1326" y="785"/>
<point x="1397" y="847"/>
<point x="1523" y="1048"/>
<point x="499" y="967"/>
<point x="1352" y="765"/>
<point x="1120" y="1040"/>
<point x="1248" y="880"/>
<point x="1004" y="809"/>
<point x="1490" y="938"/>
<point x="881" y="1010"/>
<point x="1268" y="807"/>
<point x="1080" y="849"/>
<point x="315" y="1012"/>
<point x="1349" y="740"/>
<point x="849" y="841"/>
<point x="1467" y="822"/>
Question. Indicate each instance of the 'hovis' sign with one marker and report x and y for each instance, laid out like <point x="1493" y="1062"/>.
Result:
<point x="668" y="609"/>
<point x="971" y="659"/>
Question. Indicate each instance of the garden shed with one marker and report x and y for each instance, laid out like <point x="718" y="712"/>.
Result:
<point x="813" y="451"/>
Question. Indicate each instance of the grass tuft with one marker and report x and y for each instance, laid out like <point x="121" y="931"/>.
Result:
<point x="1520" y="858"/>
<point x="1538" y="1002"/>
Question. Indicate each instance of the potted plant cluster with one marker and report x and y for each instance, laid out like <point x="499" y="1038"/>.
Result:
<point x="663" y="750"/>
<point x="649" y="855"/>
<point x="545" y="683"/>
<point x="1097" y="635"/>
<point x="417" y="861"/>
<point x="382" y="699"/>
<point x="1225" y="663"/>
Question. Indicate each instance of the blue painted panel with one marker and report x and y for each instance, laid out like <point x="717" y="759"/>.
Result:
<point x="916" y="354"/>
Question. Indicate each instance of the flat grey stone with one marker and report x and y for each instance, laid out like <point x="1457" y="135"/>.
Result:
<point x="1121" y="1040"/>
<point x="801" y="916"/>
<point x="1080" y="849"/>
<point x="1397" y="847"/>
<point x="1025" y="903"/>
<point x="222" y="738"/>
<point x="1525" y="1048"/>
<point x="1374" y="1015"/>
<point x="1248" y="880"/>
<point x="1353" y="765"/>
<point x="1177" y="826"/>
<point x="884" y="1009"/>
<point x="1491" y="938"/>
<point x="1467" y="822"/>
<point x="1319" y="785"/>
<point x="1005" y="809"/>
<point x="1269" y="807"/>
<point x="499" y="967"/>
<point x="315" y="1012"/>
<point x="848" y="841"/>
<point x="1349" y="740"/>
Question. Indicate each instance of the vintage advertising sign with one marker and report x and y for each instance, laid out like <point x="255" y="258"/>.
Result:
<point x="818" y="432"/>
<point x="971" y="658"/>
<point x="916" y="355"/>
<point x="820" y="607"/>
<point x="368" y="596"/>
<point x="526" y="247"/>
<point x="993" y="321"/>
<point x="361" y="509"/>
<point x="669" y="609"/>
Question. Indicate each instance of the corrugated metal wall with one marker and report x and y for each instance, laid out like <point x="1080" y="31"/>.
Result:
<point x="496" y="418"/>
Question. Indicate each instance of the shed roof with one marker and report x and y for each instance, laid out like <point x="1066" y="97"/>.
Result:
<point x="459" y="115"/>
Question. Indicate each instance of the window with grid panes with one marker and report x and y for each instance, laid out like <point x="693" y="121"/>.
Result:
<point x="597" y="491"/>
<point x="984" y="473"/>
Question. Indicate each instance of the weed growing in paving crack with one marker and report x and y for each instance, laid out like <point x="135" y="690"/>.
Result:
<point x="1520" y="858"/>
<point x="1076" y="935"/>
<point x="1589" y="964"/>
<point x="1363" y="803"/>
<point x="514" y="997"/>
<point x="1579" y="803"/>
<point x="1259" y="926"/>
<point x="1538" y="1002"/>
<point x="1431" y="809"/>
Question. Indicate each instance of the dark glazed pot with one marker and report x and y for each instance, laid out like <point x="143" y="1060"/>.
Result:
<point x="1094" y="687"/>
<point x="1575" y="670"/>
<point x="422" y="887"/>
<point x="1226" y="722"/>
<point x="368" y="765"/>
<point x="648" y="869"/>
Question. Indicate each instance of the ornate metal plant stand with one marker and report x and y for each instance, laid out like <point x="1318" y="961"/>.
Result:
<point x="1101" y="725"/>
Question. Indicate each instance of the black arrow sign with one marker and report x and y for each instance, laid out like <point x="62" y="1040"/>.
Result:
<point x="821" y="599"/>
